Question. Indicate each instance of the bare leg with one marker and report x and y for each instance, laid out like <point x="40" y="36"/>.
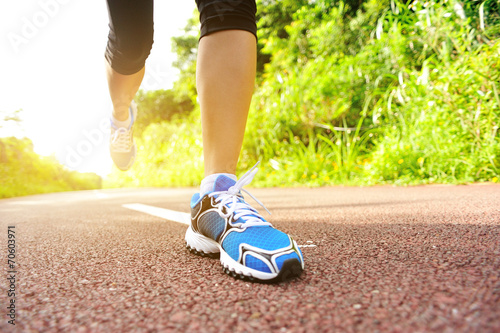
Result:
<point x="122" y="89"/>
<point x="225" y="77"/>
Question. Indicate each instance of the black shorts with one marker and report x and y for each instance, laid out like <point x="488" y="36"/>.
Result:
<point x="131" y="27"/>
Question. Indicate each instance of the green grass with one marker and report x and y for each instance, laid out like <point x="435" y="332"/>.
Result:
<point x="395" y="94"/>
<point x="23" y="172"/>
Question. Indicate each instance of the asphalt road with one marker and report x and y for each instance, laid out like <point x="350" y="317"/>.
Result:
<point x="378" y="259"/>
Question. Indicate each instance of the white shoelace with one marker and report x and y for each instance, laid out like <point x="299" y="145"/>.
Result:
<point x="241" y="209"/>
<point x="121" y="141"/>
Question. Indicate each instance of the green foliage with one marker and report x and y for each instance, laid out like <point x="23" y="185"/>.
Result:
<point x="378" y="97"/>
<point x="354" y="93"/>
<point x="272" y="18"/>
<point x="484" y="16"/>
<point x="168" y="154"/>
<point x="160" y="105"/>
<point x="23" y="172"/>
<point x="186" y="47"/>
<point x="446" y="129"/>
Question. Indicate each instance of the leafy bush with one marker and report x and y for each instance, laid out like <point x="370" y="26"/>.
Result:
<point x="397" y="93"/>
<point x="23" y="172"/>
<point x="158" y="106"/>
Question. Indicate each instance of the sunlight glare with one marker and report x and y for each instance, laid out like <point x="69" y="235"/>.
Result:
<point x="56" y="76"/>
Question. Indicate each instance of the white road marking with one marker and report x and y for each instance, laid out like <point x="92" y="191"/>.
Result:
<point x="164" y="213"/>
<point x="100" y="195"/>
<point x="173" y="215"/>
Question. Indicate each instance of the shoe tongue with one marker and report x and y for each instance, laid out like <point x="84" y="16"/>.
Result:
<point x="223" y="183"/>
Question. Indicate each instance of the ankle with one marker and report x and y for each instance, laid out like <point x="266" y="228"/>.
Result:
<point x="121" y="113"/>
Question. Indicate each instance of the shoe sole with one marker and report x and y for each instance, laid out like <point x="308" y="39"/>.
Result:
<point x="203" y="246"/>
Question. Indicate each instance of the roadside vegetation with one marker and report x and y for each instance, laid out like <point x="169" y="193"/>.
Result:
<point x="350" y="93"/>
<point x="23" y="172"/>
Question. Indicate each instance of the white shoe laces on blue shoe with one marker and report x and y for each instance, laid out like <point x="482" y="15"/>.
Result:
<point x="234" y="203"/>
<point x="249" y="247"/>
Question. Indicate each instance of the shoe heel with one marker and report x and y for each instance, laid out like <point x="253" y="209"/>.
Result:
<point x="201" y="245"/>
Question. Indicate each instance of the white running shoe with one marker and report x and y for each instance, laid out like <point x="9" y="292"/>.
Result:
<point x="122" y="147"/>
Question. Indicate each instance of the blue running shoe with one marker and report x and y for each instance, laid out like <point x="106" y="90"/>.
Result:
<point x="122" y="147"/>
<point x="250" y="248"/>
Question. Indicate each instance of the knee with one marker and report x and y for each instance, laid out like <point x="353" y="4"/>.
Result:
<point x="130" y="56"/>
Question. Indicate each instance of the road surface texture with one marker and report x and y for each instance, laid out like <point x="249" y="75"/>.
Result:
<point x="378" y="259"/>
